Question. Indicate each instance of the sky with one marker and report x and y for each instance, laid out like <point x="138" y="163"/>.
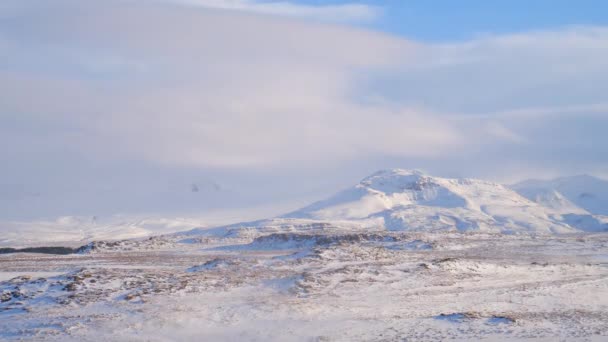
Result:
<point x="121" y="106"/>
<point x="443" y="20"/>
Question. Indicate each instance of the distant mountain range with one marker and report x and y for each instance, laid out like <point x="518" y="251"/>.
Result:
<point x="586" y="192"/>
<point x="410" y="200"/>
<point x="388" y="200"/>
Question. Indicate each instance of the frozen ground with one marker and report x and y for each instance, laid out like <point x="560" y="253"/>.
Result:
<point x="401" y="256"/>
<point x="325" y="284"/>
<point x="76" y="231"/>
<point x="79" y="230"/>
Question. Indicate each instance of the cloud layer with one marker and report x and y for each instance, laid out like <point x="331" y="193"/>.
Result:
<point x="341" y="13"/>
<point x="219" y="87"/>
<point x="211" y="89"/>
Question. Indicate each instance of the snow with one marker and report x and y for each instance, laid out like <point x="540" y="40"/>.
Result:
<point x="382" y="191"/>
<point x="394" y="200"/>
<point x="406" y="200"/>
<point x="10" y="275"/>
<point x="338" y="286"/>
<point x="587" y="192"/>
<point x="76" y="231"/>
<point x="582" y="201"/>
<point x="400" y="256"/>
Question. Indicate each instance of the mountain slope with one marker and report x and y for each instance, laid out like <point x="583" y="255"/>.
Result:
<point x="587" y="192"/>
<point x="582" y="200"/>
<point x="411" y="200"/>
<point x="383" y="190"/>
<point x="76" y="231"/>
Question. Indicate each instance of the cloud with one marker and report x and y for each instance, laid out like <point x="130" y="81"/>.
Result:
<point x="100" y="95"/>
<point x="211" y="89"/>
<point x="532" y="100"/>
<point x="507" y="72"/>
<point x="341" y="13"/>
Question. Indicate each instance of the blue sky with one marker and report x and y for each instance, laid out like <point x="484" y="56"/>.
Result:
<point x="445" y="20"/>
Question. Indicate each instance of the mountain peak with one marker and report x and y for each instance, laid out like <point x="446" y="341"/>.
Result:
<point x="391" y="181"/>
<point x="396" y="172"/>
<point x="401" y="199"/>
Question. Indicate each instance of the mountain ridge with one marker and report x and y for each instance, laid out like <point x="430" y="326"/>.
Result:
<point x="587" y="192"/>
<point x="411" y="200"/>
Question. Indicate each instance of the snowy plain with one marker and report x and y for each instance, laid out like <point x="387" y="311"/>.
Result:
<point x="401" y="256"/>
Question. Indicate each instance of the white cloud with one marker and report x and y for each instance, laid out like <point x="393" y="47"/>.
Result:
<point x="216" y="89"/>
<point x="534" y="98"/>
<point x="347" y="12"/>
<point x="168" y="86"/>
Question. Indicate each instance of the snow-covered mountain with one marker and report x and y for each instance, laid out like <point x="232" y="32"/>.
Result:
<point x="399" y="200"/>
<point x="76" y="231"/>
<point x="393" y="200"/>
<point x="587" y="192"/>
<point x="582" y="200"/>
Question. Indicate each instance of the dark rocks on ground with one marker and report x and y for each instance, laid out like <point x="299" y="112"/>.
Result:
<point x="44" y="250"/>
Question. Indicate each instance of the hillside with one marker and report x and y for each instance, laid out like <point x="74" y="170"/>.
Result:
<point x="406" y="200"/>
